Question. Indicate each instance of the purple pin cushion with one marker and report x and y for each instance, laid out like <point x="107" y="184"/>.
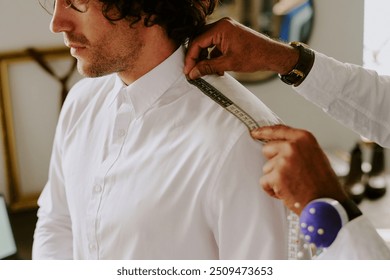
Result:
<point x="321" y="220"/>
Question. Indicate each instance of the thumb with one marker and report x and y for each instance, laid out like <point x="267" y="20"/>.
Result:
<point x="207" y="67"/>
<point x="271" y="133"/>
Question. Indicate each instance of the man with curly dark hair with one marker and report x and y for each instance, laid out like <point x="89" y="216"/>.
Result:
<point x="144" y="165"/>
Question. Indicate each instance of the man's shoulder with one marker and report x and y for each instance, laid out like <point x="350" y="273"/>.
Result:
<point x="218" y="124"/>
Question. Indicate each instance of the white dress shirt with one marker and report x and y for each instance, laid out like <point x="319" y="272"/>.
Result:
<point x="157" y="170"/>
<point x="359" y="99"/>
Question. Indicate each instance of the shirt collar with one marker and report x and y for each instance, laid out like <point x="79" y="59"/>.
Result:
<point x="145" y="91"/>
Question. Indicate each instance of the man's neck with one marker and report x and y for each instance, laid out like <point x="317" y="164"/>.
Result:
<point x="157" y="49"/>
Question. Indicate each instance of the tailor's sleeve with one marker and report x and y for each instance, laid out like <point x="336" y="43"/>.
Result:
<point x="53" y="233"/>
<point x="357" y="240"/>
<point x="246" y="222"/>
<point x="355" y="96"/>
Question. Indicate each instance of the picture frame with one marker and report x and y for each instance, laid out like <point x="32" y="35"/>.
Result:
<point x="33" y="86"/>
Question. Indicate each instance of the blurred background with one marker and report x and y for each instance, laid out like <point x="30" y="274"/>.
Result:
<point x="353" y="31"/>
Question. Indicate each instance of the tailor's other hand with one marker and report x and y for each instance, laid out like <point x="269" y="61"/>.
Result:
<point x="297" y="170"/>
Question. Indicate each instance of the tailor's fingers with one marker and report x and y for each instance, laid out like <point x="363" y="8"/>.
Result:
<point x="274" y="132"/>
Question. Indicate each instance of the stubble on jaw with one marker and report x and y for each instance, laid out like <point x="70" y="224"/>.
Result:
<point x="110" y="54"/>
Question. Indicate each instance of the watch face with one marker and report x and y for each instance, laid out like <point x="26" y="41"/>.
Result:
<point x="293" y="77"/>
<point x="297" y="74"/>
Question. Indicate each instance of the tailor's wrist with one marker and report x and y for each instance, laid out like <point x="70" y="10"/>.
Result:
<point x="290" y="57"/>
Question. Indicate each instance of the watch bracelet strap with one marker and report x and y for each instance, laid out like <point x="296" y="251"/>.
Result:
<point x="351" y="208"/>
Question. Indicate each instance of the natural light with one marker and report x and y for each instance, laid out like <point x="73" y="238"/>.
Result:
<point x="376" y="52"/>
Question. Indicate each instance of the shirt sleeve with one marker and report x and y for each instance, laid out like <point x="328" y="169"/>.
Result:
<point x="357" y="240"/>
<point x="246" y="222"/>
<point x="352" y="95"/>
<point x="53" y="233"/>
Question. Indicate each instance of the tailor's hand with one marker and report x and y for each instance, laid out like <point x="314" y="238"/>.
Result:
<point x="236" y="48"/>
<point x="297" y="170"/>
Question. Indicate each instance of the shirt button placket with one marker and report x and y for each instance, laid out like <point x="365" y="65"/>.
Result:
<point x="121" y="133"/>
<point x="97" y="192"/>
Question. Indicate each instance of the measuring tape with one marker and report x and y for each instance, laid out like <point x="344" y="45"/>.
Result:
<point x="296" y="248"/>
<point x="225" y="102"/>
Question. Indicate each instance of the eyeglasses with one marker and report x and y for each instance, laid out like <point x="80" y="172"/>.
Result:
<point x="80" y="6"/>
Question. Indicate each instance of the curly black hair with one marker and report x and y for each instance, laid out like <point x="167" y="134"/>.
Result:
<point x="182" y="19"/>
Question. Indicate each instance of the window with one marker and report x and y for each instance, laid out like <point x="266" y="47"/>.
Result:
<point x="376" y="51"/>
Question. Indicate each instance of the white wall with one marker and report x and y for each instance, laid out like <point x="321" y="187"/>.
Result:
<point x="338" y="32"/>
<point x="23" y="23"/>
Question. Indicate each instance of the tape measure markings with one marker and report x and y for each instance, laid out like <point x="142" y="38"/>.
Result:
<point x="225" y="102"/>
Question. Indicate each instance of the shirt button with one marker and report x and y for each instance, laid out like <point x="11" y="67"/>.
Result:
<point x="97" y="188"/>
<point x="121" y="132"/>
<point x="92" y="246"/>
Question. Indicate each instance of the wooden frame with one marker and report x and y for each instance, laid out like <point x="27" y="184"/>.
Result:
<point x="30" y="102"/>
